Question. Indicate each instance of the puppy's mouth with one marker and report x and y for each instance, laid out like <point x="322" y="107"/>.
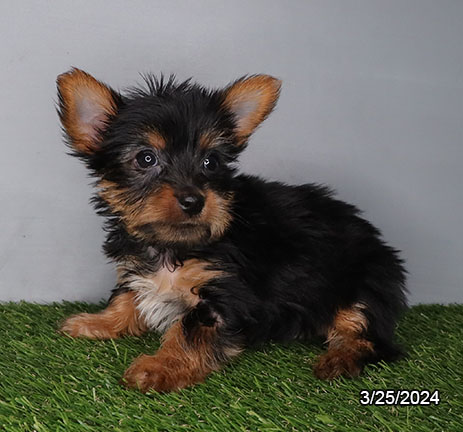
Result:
<point x="176" y="233"/>
<point x="190" y="229"/>
<point x="187" y="225"/>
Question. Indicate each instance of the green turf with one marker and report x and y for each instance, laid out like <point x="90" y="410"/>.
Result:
<point x="49" y="382"/>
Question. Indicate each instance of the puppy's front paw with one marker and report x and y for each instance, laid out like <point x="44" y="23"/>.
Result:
<point x="87" y="325"/>
<point x="163" y="375"/>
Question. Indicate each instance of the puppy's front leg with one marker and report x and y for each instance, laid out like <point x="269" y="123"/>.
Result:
<point x="181" y="361"/>
<point x="119" y="318"/>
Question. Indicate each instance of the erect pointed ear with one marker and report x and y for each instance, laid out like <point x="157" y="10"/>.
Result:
<point x="251" y="100"/>
<point x="86" y="106"/>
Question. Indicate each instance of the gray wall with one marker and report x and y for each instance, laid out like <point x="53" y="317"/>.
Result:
<point x="372" y="104"/>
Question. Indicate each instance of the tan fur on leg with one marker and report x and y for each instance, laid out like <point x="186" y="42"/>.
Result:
<point x="119" y="318"/>
<point x="178" y="363"/>
<point x="346" y="345"/>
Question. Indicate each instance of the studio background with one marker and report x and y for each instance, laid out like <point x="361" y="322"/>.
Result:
<point x="372" y="104"/>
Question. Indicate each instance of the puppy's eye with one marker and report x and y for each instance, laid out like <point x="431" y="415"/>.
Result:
<point x="146" y="159"/>
<point x="210" y="163"/>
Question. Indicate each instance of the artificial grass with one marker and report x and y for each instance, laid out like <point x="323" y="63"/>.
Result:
<point x="49" y="382"/>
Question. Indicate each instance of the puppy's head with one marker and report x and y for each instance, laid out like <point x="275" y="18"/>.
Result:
<point x="164" y="154"/>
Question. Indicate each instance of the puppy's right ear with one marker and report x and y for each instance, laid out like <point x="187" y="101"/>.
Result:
<point x="86" y="107"/>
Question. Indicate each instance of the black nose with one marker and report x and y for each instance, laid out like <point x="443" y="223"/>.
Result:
<point x="191" y="204"/>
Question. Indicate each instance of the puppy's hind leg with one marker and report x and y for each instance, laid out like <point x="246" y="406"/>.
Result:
<point x="348" y="348"/>
<point x="119" y="318"/>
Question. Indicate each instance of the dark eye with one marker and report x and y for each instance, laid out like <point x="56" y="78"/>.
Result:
<point x="210" y="163"/>
<point x="146" y="159"/>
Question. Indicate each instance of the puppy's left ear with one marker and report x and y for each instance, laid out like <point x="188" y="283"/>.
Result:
<point x="86" y="108"/>
<point x="251" y="100"/>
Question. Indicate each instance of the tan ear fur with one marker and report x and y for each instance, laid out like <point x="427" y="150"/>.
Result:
<point x="85" y="106"/>
<point x="251" y="100"/>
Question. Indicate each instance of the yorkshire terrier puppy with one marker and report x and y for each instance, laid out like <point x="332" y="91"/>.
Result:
<point x="213" y="260"/>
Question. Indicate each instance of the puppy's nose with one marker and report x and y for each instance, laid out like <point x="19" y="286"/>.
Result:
<point x="190" y="203"/>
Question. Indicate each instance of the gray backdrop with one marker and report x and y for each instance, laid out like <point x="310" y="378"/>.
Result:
<point x="372" y="104"/>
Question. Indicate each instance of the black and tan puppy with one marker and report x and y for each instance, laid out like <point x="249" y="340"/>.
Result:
<point x="216" y="261"/>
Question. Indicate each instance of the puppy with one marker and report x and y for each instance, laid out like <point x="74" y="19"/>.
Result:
<point x="213" y="260"/>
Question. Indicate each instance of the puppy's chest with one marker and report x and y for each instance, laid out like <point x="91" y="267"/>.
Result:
<point x="166" y="295"/>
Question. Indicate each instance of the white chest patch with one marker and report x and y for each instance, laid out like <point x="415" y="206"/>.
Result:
<point x="163" y="297"/>
<point x="159" y="302"/>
